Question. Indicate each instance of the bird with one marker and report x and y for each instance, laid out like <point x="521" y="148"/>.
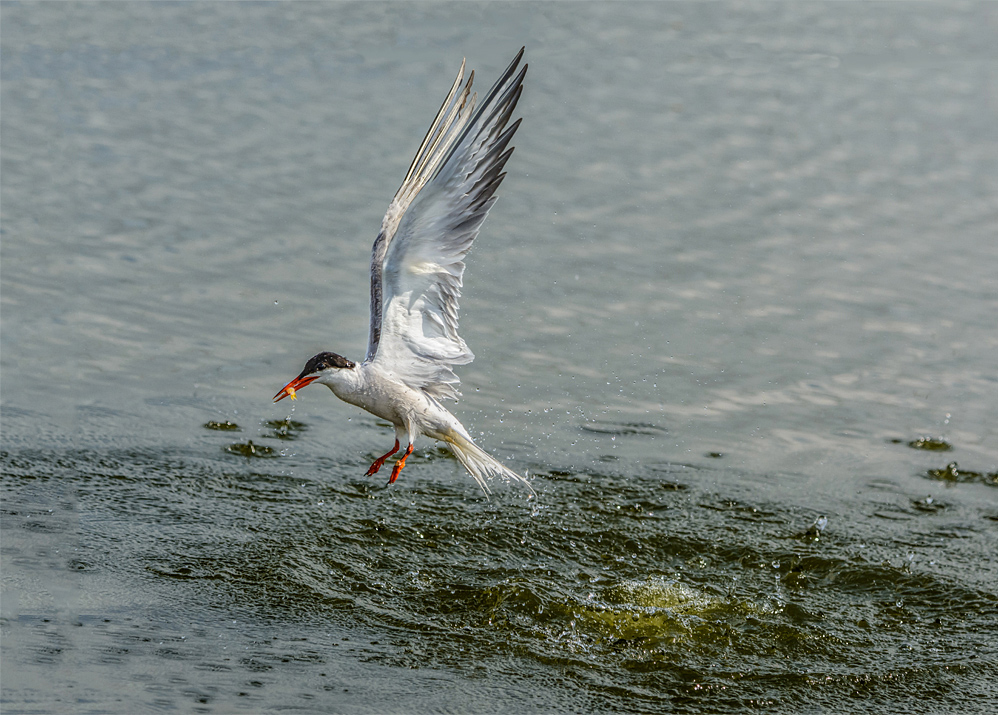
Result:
<point x="417" y="270"/>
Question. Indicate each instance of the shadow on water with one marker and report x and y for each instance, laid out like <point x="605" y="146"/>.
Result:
<point x="643" y="590"/>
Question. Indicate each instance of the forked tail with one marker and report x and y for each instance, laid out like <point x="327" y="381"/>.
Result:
<point x="482" y="465"/>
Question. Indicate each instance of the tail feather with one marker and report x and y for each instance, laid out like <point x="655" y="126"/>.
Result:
<point x="481" y="465"/>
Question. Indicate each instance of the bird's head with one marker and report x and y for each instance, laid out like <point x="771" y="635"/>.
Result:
<point x="324" y="368"/>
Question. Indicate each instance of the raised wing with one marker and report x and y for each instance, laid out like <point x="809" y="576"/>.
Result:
<point x="417" y="263"/>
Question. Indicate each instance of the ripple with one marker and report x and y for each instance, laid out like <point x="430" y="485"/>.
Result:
<point x="248" y="449"/>
<point x="624" y="428"/>
<point x="286" y="429"/>
<point x="225" y="426"/>
<point x="931" y="444"/>
<point x="952" y="474"/>
<point x="625" y="590"/>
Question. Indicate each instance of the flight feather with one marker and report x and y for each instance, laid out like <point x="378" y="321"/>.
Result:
<point x="417" y="261"/>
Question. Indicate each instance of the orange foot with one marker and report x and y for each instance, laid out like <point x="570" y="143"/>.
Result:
<point x="380" y="461"/>
<point x="399" y="464"/>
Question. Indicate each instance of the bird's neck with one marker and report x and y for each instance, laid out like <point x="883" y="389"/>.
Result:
<point x="344" y="382"/>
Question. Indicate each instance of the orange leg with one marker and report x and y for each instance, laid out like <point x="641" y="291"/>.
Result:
<point x="380" y="461"/>
<point x="399" y="464"/>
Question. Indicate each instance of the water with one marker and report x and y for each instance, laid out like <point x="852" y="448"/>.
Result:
<point x="734" y="313"/>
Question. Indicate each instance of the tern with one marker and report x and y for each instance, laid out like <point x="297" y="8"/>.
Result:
<point x="417" y="269"/>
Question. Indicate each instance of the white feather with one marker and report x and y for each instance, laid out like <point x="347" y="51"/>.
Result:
<point x="417" y="268"/>
<point x="417" y="262"/>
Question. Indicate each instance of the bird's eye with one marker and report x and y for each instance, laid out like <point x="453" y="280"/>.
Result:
<point x="321" y="366"/>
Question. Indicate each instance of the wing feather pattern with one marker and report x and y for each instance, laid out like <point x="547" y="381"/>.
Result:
<point x="417" y="262"/>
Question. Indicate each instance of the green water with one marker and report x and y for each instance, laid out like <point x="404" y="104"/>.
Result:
<point x="733" y="315"/>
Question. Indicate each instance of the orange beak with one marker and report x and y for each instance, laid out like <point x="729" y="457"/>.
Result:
<point x="293" y="386"/>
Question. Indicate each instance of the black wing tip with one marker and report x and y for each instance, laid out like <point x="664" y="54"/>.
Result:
<point x="504" y="78"/>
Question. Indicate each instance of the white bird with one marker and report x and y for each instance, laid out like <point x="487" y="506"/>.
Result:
<point x="417" y="265"/>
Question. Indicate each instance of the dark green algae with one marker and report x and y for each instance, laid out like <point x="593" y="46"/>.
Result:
<point x="636" y="596"/>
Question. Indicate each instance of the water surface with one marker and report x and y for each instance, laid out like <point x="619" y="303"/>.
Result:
<point x="734" y="313"/>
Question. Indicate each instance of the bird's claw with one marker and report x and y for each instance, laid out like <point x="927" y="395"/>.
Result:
<point x="399" y="464"/>
<point x="374" y="468"/>
<point x="380" y="461"/>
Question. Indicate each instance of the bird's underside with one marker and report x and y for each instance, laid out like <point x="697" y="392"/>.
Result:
<point x="417" y="269"/>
